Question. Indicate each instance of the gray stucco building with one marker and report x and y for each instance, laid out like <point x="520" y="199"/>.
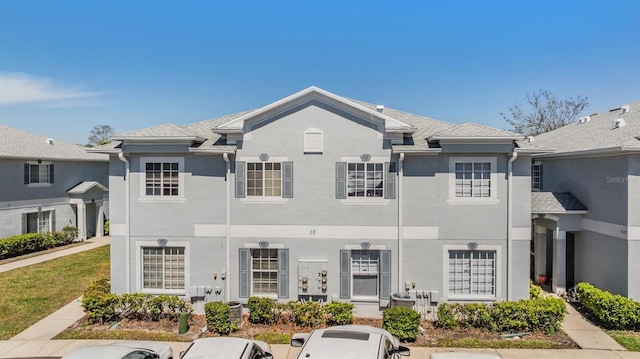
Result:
<point x="49" y="184"/>
<point x="323" y="197"/>
<point x="586" y="203"/>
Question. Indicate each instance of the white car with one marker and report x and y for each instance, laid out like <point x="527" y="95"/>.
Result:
<point x="124" y="350"/>
<point x="349" y="341"/>
<point x="227" y="348"/>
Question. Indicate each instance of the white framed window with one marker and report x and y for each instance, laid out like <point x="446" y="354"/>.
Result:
<point x="264" y="271"/>
<point x="473" y="179"/>
<point x="365" y="180"/>
<point x="163" y="269"/>
<point x="38" y="173"/>
<point x="264" y="179"/>
<point x="163" y="178"/>
<point x="472" y="274"/>
<point x="38" y="222"/>
<point x="536" y="176"/>
<point x="364" y="274"/>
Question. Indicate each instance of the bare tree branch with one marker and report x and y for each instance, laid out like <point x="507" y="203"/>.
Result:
<point x="100" y="135"/>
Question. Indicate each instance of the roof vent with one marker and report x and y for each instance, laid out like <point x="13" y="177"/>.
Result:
<point x="617" y="123"/>
<point x="380" y="108"/>
<point x="624" y="109"/>
<point x="584" y="119"/>
<point x="530" y="139"/>
<point x="50" y="141"/>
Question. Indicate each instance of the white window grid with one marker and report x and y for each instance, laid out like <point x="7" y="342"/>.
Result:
<point x="264" y="271"/>
<point x="163" y="268"/>
<point x="162" y="178"/>
<point x="535" y="176"/>
<point x="473" y="179"/>
<point x="39" y="173"/>
<point x="365" y="180"/>
<point x="39" y="222"/>
<point x="264" y="179"/>
<point x="472" y="272"/>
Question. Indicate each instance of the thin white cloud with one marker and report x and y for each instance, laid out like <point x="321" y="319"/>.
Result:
<point x="17" y="88"/>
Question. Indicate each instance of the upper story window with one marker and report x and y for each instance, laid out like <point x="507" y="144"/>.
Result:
<point x="264" y="180"/>
<point x="163" y="177"/>
<point x="473" y="179"/>
<point x="365" y="180"/>
<point x="536" y="177"/>
<point x="38" y="173"/>
<point x="361" y="180"/>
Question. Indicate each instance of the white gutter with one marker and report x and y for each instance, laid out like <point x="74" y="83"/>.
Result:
<point x="400" y="223"/>
<point x="514" y="155"/>
<point x="227" y="289"/>
<point x="127" y="222"/>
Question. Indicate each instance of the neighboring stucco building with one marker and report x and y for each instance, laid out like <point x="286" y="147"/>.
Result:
<point x="586" y="203"/>
<point x="323" y="197"/>
<point x="48" y="184"/>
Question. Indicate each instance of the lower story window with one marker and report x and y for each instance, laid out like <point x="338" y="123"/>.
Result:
<point x="264" y="271"/>
<point x="163" y="268"/>
<point x="472" y="272"/>
<point x="39" y="222"/>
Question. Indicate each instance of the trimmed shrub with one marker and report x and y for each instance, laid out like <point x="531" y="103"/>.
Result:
<point x="22" y="244"/>
<point x="309" y="314"/>
<point x="218" y="317"/>
<point x="401" y="322"/>
<point x="614" y="311"/>
<point x="535" y="292"/>
<point x="262" y="310"/>
<point x="106" y="227"/>
<point x="339" y="313"/>
<point x="446" y="316"/>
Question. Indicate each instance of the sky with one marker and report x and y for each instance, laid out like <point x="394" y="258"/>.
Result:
<point x="67" y="66"/>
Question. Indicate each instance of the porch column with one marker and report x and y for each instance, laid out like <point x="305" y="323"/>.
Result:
<point x="559" y="261"/>
<point x="540" y="248"/>
<point x="100" y="219"/>
<point x="82" y="221"/>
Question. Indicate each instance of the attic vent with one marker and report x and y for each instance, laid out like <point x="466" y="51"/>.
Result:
<point x="313" y="141"/>
<point x="617" y="123"/>
<point x="380" y="108"/>
<point x="584" y="119"/>
<point x="50" y="141"/>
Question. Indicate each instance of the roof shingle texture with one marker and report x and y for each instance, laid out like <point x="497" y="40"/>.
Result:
<point x="15" y="143"/>
<point x="555" y="202"/>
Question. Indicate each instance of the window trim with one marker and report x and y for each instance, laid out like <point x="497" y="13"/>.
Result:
<point x="263" y="199"/>
<point x="48" y="183"/>
<point x="463" y="247"/>
<point x="251" y="270"/>
<point x="143" y="179"/>
<point x="140" y="270"/>
<point x="366" y="200"/>
<point x="493" y="188"/>
<point x="26" y="214"/>
<point x="539" y="182"/>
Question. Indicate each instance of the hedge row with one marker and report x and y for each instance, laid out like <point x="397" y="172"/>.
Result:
<point x="614" y="311"/>
<point x="34" y="242"/>
<point x="535" y="315"/>
<point x="403" y="323"/>
<point x="102" y="306"/>
<point x="305" y="314"/>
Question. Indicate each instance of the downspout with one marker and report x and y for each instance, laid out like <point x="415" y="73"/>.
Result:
<point x="227" y="289"/>
<point x="127" y="222"/>
<point x="400" y="222"/>
<point x="514" y="155"/>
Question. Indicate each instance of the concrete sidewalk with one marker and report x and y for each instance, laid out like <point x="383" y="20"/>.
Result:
<point x="585" y="334"/>
<point x="87" y="245"/>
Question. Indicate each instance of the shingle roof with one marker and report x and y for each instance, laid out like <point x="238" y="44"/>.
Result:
<point x="555" y="202"/>
<point x="15" y="143"/>
<point x="596" y="134"/>
<point x="418" y="140"/>
<point x="83" y="187"/>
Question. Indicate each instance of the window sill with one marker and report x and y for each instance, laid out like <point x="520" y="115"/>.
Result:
<point x="168" y="199"/>
<point x="471" y="200"/>
<point x="271" y="296"/>
<point x="264" y="200"/>
<point x="178" y="292"/>
<point x="39" y="185"/>
<point x="365" y="200"/>
<point x="471" y="298"/>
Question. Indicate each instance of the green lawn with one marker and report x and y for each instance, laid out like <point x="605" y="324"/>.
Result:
<point x="629" y="340"/>
<point x="31" y="293"/>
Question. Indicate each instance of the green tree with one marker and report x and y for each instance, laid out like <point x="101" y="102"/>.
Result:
<point x="544" y="112"/>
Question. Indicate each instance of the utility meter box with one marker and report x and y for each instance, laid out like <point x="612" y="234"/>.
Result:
<point x="313" y="277"/>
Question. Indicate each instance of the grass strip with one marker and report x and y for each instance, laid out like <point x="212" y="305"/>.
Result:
<point x="629" y="340"/>
<point x="29" y="294"/>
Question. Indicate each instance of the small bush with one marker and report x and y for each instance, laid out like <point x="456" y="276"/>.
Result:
<point x="218" y="317"/>
<point x="262" y="310"/>
<point x="339" y="313"/>
<point x="106" y="228"/>
<point x="446" y="316"/>
<point x="309" y="314"/>
<point x="401" y="322"/>
<point x="535" y="292"/>
<point x="612" y="310"/>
